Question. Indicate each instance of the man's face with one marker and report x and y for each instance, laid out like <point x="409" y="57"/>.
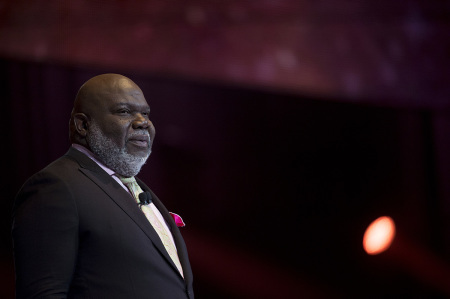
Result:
<point x="120" y="132"/>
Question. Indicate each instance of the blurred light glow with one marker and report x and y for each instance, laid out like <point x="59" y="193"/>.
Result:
<point x="379" y="235"/>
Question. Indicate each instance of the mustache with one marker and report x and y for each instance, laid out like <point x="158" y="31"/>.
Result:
<point x="141" y="135"/>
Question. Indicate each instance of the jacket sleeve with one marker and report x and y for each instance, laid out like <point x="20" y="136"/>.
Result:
<point x="45" y="238"/>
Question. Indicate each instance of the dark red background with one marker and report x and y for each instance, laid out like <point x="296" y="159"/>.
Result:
<point x="283" y="129"/>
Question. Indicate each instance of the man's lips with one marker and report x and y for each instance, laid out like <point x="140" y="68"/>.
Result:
<point x="140" y="141"/>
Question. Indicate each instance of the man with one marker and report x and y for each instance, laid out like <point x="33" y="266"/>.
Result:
<point x="79" y="230"/>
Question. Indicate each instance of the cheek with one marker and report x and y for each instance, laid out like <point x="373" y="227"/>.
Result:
<point x="116" y="131"/>
<point x="152" y="132"/>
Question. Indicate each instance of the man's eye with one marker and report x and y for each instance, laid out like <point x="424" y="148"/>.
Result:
<point x="124" y="111"/>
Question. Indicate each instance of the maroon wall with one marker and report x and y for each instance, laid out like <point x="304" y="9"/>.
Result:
<point x="301" y="119"/>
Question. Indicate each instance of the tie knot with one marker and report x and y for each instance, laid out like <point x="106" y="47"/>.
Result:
<point x="132" y="186"/>
<point x="127" y="181"/>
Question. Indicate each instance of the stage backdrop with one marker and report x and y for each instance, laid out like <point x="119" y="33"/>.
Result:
<point x="276" y="188"/>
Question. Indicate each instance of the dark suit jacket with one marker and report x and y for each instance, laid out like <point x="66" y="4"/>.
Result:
<point x="78" y="234"/>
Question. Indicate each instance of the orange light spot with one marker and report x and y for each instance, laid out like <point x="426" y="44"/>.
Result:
<point x="379" y="235"/>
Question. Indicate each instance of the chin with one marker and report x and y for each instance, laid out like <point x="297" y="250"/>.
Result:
<point x="140" y="154"/>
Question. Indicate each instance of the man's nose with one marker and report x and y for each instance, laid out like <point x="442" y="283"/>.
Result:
<point x="141" y="122"/>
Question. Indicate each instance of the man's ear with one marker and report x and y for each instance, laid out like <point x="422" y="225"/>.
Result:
<point x="81" y="122"/>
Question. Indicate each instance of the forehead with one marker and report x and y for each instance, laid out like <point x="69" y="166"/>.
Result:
<point x="125" y="93"/>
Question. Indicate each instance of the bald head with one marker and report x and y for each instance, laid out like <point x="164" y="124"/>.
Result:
<point x="94" y="94"/>
<point x="110" y="117"/>
<point x="100" y="88"/>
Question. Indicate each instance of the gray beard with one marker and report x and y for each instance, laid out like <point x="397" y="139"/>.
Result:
<point x="114" y="157"/>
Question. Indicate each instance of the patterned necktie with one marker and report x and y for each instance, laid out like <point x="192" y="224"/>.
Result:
<point x="135" y="189"/>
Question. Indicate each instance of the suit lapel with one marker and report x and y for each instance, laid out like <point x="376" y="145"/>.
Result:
<point x="179" y="242"/>
<point x="123" y="199"/>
